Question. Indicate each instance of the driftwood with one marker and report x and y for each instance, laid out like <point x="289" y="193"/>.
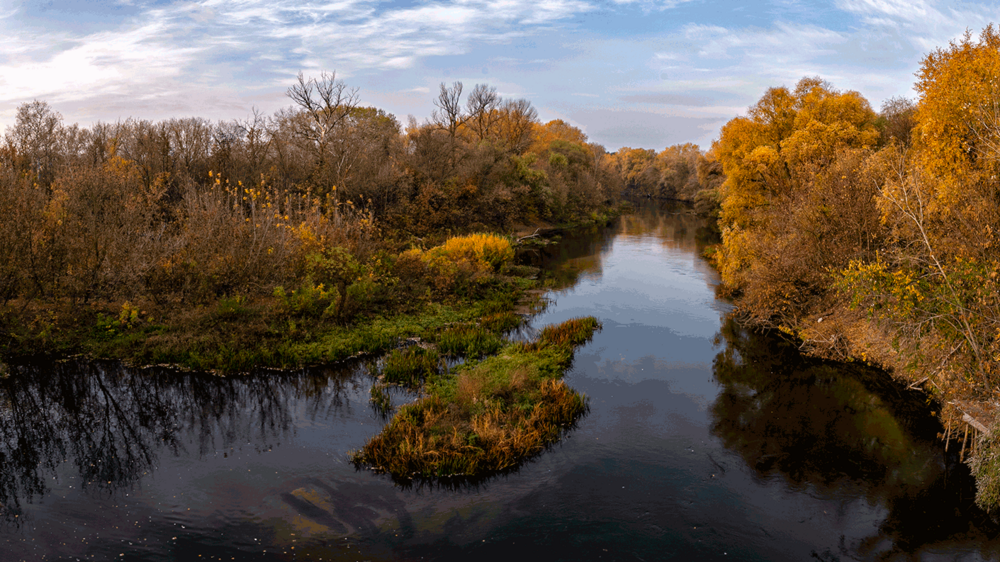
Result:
<point x="532" y="235"/>
<point x="973" y="422"/>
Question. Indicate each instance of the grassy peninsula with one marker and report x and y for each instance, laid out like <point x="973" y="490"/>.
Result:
<point x="486" y="416"/>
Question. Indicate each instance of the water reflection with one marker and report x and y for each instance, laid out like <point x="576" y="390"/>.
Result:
<point x="843" y="431"/>
<point x="741" y="450"/>
<point x="112" y="423"/>
<point x="580" y="253"/>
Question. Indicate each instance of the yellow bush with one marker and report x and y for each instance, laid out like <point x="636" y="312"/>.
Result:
<point x="461" y="258"/>
<point x="484" y="251"/>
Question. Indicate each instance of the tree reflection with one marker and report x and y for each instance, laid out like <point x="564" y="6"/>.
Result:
<point x="842" y="429"/>
<point x="111" y="422"/>
<point x="580" y="251"/>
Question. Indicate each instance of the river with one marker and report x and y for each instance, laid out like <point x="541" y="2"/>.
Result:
<point x="703" y="441"/>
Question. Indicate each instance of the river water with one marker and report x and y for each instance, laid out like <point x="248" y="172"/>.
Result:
<point x="704" y="441"/>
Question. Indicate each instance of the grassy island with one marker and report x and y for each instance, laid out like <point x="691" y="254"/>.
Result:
<point x="484" y="417"/>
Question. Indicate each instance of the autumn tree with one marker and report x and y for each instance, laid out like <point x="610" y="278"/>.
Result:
<point x="794" y="170"/>
<point x="637" y="168"/>
<point x="678" y="174"/>
<point x="35" y="140"/>
<point x="935" y="280"/>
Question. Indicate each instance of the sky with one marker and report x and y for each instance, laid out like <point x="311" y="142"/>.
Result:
<point x="638" y="73"/>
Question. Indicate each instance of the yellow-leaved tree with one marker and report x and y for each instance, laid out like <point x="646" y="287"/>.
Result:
<point x="793" y="204"/>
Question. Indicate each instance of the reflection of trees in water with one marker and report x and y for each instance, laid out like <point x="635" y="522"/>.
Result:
<point x="580" y="251"/>
<point x="112" y="422"/>
<point x="674" y="223"/>
<point x="844" y="429"/>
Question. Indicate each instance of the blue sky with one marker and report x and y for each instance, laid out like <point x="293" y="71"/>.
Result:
<point x="638" y="73"/>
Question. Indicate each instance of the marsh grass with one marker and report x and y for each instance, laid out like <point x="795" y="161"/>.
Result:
<point x="486" y="416"/>
<point x="501" y="322"/>
<point x="573" y="332"/>
<point x="470" y="340"/>
<point x="410" y="366"/>
<point x="380" y="399"/>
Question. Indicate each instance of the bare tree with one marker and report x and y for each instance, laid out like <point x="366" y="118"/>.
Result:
<point x="482" y="106"/>
<point x="327" y="102"/>
<point x="450" y="117"/>
<point x="35" y="137"/>
<point x="190" y="144"/>
<point x="256" y="140"/>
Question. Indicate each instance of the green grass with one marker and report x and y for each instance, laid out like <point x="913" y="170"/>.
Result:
<point x="469" y="339"/>
<point x="410" y="366"/>
<point x="380" y="398"/>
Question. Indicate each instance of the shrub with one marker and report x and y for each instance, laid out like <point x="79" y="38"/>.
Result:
<point x="485" y="250"/>
<point x="309" y="300"/>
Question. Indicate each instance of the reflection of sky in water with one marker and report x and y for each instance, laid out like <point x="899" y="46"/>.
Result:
<point x="643" y="282"/>
<point x="655" y="297"/>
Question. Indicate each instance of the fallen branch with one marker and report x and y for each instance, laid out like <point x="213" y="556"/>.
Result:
<point x="532" y="235"/>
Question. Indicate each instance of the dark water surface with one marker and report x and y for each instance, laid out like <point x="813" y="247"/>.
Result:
<point x="703" y="442"/>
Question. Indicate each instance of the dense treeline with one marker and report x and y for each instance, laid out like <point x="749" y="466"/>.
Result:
<point x="873" y="234"/>
<point x="681" y="172"/>
<point x="192" y="210"/>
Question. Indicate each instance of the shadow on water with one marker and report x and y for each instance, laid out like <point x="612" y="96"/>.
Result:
<point x="846" y="430"/>
<point x="113" y="423"/>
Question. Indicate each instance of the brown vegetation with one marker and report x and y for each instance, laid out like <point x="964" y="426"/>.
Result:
<point x="319" y="213"/>
<point x="681" y="172"/>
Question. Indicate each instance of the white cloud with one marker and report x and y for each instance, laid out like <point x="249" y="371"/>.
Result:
<point x="901" y="9"/>
<point x="188" y="46"/>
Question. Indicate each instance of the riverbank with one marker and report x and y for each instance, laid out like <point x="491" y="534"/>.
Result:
<point x="869" y="236"/>
<point x="338" y="308"/>
<point x="930" y="363"/>
<point x="834" y="330"/>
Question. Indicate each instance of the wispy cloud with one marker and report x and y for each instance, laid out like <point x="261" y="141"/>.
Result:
<point x="578" y="58"/>
<point x="186" y="45"/>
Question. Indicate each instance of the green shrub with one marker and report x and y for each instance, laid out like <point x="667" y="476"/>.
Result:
<point x="308" y="300"/>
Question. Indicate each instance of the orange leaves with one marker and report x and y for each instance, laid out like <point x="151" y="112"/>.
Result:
<point x="958" y="117"/>
<point x="554" y="130"/>
<point x="771" y="159"/>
